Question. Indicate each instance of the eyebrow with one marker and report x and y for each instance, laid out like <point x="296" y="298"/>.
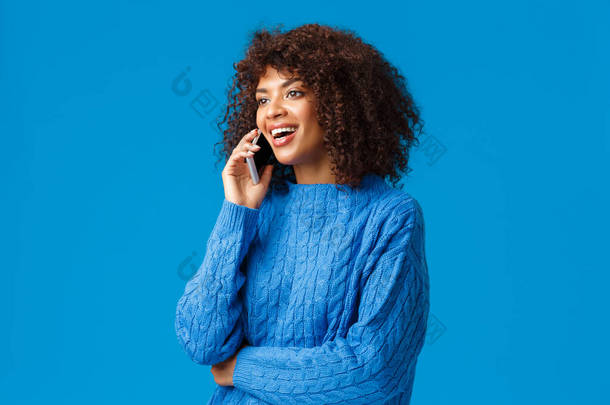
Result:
<point x="285" y="84"/>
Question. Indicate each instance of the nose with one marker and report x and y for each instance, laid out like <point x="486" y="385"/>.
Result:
<point x="275" y="109"/>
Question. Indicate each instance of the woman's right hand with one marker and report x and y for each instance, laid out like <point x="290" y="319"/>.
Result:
<point x="238" y="184"/>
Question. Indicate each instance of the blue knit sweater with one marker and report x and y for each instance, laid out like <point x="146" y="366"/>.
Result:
<point x="329" y="290"/>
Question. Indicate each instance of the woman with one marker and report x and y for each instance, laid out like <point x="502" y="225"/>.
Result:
<point x="314" y="287"/>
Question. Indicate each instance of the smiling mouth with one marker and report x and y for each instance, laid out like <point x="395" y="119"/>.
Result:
<point x="285" y="133"/>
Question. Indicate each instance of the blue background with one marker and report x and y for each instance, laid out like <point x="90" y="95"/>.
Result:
<point x="110" y="190"/>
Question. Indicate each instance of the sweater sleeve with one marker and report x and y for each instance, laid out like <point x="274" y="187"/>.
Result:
<point x="208" y="320"/>
<point x="377" y="358"/>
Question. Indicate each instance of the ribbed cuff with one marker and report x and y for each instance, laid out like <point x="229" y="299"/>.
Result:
<point x="244" y="368"/>
<point x="234" y="216"/>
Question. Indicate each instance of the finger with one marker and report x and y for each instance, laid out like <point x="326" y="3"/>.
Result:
<point x="252" y="147"/>
<point x="242" y="155"/>
<point x="247" y="144"/>
<point x="248" y="137"/>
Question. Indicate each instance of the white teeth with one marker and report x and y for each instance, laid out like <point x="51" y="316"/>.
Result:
<point x="285" y="129"/>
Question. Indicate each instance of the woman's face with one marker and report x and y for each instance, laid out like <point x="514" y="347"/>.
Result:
<point x="286" y="101"/>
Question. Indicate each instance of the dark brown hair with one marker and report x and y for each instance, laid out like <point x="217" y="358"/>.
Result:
<point x="370" y="118"/>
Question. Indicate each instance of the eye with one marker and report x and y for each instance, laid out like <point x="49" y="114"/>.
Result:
<point x="258" y="102"/>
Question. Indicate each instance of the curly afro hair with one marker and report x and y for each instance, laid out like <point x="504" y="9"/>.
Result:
<point x="369" y="117"/>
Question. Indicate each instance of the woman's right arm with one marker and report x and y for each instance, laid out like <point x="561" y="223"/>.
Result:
<point x="208" y="316"/>
<point x="208" y="323"/>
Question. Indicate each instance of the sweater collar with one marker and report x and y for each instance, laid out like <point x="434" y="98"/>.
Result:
<point x="331" y="198"/>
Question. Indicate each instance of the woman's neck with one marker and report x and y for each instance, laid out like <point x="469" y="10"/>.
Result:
<point x="314" y="173"/>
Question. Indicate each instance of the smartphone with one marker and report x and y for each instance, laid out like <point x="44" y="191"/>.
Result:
<point x="264" y="156"/>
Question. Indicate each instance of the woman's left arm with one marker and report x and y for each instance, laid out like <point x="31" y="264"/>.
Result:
<point x="377" y="358"/>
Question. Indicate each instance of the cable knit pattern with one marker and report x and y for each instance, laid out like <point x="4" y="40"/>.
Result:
<point x="328" y="288"/>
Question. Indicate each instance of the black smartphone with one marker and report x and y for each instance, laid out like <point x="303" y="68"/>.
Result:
<point x="264" y="156"/>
